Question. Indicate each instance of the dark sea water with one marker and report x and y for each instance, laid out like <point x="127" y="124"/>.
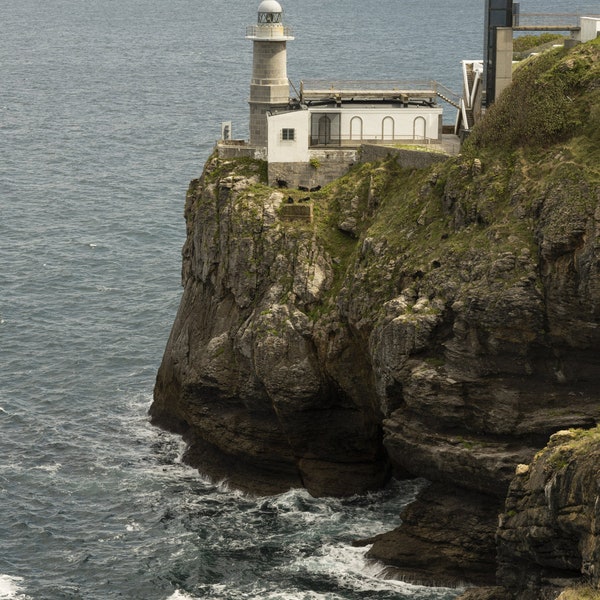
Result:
<point x="107" y="110"/>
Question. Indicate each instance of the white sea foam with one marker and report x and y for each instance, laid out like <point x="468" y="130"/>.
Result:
<point x="182" y="447"/>
<point x="53" y="468"/>
<point x="349" y="567"/>
<point x="133" y="526"/>
<point x="179" y="595"/>
<point x="10" y="588"/>
<point x="257" y="592"/>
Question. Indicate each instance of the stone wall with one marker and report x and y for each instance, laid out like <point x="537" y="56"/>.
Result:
<point x="296" y="212"/>
<point x="411" y="159"/>
<point x="327" y="165"/>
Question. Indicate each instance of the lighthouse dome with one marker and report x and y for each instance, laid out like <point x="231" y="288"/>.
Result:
<point x="270" y="24"/>
<point x="269" y="6"/>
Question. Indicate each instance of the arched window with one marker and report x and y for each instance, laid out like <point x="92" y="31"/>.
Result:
<point x="356" y="128"/>
<point x="387" y="128"/>
<point x="419" y="128"/>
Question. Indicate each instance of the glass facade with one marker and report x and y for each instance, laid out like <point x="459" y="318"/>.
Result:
<point x="325" y="129"/>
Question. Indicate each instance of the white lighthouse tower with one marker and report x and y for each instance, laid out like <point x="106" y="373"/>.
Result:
<point x="269" y="88"/>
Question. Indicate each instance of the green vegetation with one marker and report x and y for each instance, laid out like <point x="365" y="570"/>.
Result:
<point x="470" y="444"/>
<point x="328" y="204"/>
<point x="554" y="97"/>
<point x="578" y="442"/>
<point x="560" y="459"/>
<point x="583" y="439"/>
<point x="530" y="42"/>
<point x="539" y="140"/>
<point x="242" y="167"/>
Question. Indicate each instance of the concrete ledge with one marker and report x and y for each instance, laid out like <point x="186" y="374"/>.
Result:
<point x="239" y="149"/>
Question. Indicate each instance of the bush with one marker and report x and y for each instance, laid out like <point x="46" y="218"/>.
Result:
<point x="528" y="42"/>
<point x="550" y="100"/>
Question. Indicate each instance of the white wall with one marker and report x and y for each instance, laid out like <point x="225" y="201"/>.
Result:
<point x="288" y="150"/>
<point x="383" y="123"/>
<point x="388" y="124"/>
<point x="590" y="27"/>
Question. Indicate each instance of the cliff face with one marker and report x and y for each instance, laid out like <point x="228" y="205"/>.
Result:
<point x="440" y="323"/>
<point x="550" y="528"/>
<point x="242" y="375"/>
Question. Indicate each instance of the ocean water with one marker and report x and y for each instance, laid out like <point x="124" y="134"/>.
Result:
<point x="107" y="110"/>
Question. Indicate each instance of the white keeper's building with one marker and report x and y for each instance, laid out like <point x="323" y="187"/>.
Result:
<point x="312" y="139"/>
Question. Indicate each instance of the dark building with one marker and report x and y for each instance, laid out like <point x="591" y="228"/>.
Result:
<point x="498" y="13"/>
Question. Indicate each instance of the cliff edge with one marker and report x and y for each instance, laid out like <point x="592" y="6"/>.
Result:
<point x="440" y="323"/>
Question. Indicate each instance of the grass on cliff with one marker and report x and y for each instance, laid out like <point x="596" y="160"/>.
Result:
<point x="567" y="445"/>
<point x="240" y="167"/>
<point x="329" y="205"/>
<point x="542" y="137"/>
<point x="554" y="99"/>
<point x="524" y="43"/>
<point x="412" y="237"/>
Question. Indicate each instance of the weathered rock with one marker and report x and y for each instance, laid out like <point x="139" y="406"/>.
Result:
<point x="447" y="537"/>
<point x="549" y="532"/>
<point x="459" y="375"/>
<point x="579" y="592"/>
<point x="486" y="593"/>
<point x="241" y="376"/>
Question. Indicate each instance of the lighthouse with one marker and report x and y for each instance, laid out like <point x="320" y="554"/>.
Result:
<point x="269" y="87"/>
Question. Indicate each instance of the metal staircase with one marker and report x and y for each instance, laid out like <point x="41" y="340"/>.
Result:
<point x="447" y="95"/>
<point x="472" y="83"/>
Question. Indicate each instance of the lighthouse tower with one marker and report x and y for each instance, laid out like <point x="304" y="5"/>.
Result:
<point x="269" y="88"/>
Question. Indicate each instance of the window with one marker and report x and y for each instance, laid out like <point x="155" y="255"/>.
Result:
<point x="356" y="128"/>
<point x="388" y="128"/>
<point x="325" y="129"/>
<point x="288" y="134"/>
<point x="419" y="128"/>
<point x="267" y="17"/>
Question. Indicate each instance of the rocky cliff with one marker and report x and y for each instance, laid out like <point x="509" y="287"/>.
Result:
<point x="549" y="532"/>
<point x="440" y="323"/>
